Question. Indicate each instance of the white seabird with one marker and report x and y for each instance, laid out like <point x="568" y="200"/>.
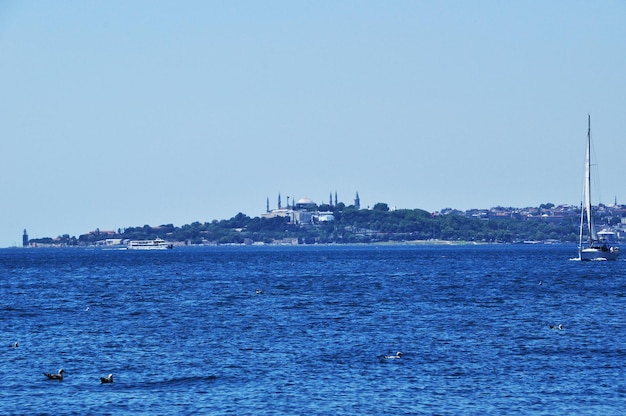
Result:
<point x="108" y="379"/>
<point x="390" y="357"/>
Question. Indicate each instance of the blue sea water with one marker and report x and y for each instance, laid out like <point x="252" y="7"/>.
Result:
<point x="184" y="331"/>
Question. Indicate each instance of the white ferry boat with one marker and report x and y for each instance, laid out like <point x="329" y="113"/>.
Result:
<point x="156" y="244"/>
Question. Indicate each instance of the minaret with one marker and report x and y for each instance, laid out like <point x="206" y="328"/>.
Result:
<point x="331" y="200"/>
<point x="279" y="205"/>
<point x="267" y="205"/>
<point x="25" y="239"/>
<point x="357" y="201"/>
<point x="335" y="198"/>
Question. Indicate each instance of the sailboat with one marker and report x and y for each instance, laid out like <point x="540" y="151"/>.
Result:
<point x="599" y="245"/>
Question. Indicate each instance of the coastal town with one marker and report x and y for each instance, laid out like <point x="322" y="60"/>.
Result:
<point x="303" y="221"/>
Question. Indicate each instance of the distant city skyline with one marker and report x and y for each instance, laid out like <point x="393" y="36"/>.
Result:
<point x="118" y="114"/>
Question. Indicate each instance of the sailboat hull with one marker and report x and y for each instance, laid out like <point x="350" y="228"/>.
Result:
<point x="588" y="254"/>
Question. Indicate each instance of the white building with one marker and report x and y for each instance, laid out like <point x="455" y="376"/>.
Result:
<point x="304" y="211"/>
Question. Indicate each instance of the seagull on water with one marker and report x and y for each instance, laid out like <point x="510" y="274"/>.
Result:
<point x="556" y="327"/>
<point x="108" y="379"/>
<point x="58" y="376"/>
<point x="391" y="357"/>
<point x="14" y="345"/>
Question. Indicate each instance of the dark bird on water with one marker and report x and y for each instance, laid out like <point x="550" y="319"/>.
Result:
<point x="14" y="345"/>
<point x="58" y="376"/>
<point x="108" y="379"/>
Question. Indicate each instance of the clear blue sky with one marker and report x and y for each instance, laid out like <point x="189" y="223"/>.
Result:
<point x="125" y="113"/>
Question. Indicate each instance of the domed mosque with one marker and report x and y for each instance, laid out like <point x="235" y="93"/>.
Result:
<point x="306" y="204"/>
<point x="304" y="211"/>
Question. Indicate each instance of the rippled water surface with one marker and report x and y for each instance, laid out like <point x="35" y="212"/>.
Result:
<point x="185" y="331"/>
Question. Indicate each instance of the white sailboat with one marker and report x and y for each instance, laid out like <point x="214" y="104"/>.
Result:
<point x="599" y="245"/>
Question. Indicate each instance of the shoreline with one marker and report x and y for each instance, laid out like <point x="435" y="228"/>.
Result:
<point x="381" y="243"/>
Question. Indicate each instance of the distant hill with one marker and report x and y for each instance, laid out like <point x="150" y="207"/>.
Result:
<point x="346" y="225"/>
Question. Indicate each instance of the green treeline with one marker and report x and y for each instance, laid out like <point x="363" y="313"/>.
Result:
<point x="350" y="225"/>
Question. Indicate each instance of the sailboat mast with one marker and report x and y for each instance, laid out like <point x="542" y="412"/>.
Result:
<point x="591" y="229"/>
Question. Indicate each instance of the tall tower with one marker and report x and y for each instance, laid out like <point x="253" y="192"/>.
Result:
<point x="267" y="205"/>
<point x="331" y="200"/>
<point x="279" y="205"/>
<point x="25" y="239"/>
<point x="357" y="201"/>
<point x="335" y="198"/>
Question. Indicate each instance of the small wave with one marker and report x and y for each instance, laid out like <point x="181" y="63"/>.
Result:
<point x="186" y="380"/>
<point x="159" y="384"/>
<point x="598" y="259"/>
